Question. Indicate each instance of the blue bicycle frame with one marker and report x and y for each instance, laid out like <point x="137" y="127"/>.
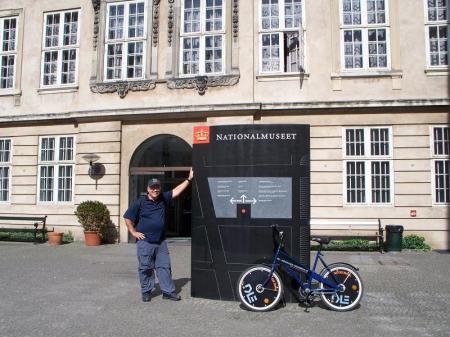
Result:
<point x="288" y="263"/>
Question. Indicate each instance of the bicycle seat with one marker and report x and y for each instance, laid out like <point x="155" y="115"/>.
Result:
<point x="323" y="239"/>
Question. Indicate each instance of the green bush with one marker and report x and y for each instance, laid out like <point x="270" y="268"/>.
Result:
<point x="17" y="235"/>
<point x="414" y="241"/>
<point x="67" y="237"/>
<point x="93" y="216"/>
<point x="26" y="236"/>
<point x="349" y="245"/>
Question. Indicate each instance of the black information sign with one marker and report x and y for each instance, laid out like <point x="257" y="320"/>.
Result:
<point x="247" y="177"/>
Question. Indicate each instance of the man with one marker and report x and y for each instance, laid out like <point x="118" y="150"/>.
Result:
<point x="145" y="219"/>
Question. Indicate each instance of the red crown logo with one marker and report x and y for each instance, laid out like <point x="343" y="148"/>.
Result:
<point x="201" y="134"/>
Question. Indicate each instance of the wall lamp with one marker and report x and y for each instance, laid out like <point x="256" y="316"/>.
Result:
<point x="96" y="170"/>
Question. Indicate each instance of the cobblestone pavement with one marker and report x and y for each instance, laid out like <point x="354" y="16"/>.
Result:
<point x="73" y="290"/>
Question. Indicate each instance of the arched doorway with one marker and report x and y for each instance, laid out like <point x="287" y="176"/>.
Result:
<point x="168" y="158"/>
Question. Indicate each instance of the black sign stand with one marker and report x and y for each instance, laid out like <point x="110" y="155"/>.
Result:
<point x="247" y="177"/>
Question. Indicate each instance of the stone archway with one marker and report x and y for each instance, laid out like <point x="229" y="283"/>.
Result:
<point x="168" y="158"/>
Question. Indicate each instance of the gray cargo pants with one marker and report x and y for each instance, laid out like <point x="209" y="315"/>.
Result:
<point x="154" y="257"/>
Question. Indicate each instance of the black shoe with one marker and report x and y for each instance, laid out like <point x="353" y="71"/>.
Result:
<point x="146" y="297"/>
<point x="171" y="296"/>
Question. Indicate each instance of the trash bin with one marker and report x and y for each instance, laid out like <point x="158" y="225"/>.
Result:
<point x="394" y="237"/>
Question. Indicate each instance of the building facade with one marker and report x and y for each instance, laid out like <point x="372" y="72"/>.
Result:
<point x="127" y="80"/>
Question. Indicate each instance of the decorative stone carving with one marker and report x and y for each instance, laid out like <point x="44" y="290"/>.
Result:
<point x="201" y="83"/>
<point x="96" y="5"/>
<point x="122" y="88"/>
<point x="235" y="19"/>
<point x="170" y="23"/>
<point x="155" y="24"/>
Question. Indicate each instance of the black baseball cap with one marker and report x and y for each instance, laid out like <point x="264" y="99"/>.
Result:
<point x="153" y="182"/>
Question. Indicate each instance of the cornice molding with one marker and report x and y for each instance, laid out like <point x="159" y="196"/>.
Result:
<point x="201" y="83"/>
<point x="383" y="107"/>
<point x="122" y="88"/>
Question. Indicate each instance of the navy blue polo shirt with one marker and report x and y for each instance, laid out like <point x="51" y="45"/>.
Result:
<point x="152" y="216"/>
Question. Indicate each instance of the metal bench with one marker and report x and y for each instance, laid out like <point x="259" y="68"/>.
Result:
<point x="21" y="223"/>
<point x="349" y="229"/>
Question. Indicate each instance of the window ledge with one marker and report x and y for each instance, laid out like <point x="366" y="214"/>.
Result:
<point x="367" y="205"/>
<point x="437" y="71"/>
<point x="282" y="77"/>
<point x="57" y="90"/>
<point x="10" y="92"/>
<point x="122" y="87"/>
<point x="201" y="83"/>
<point x="367" y="74"/>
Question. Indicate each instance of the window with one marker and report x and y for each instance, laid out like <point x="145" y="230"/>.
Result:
<point x="125" y="41"/>
<point x="440" y="162"/>
<point x="8" y="51"/>
<point x="60" y="48"/>
<point x="365" y="34"/>
<point x="368" y="165"/>
<point x="56" y="168"/>
<point x="5" y="169"/>
<point x="281" y="36"/>
<point x="437" y="31"/>
<point x="202" y="37"/>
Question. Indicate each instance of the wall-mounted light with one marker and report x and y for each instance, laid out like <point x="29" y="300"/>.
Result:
<point x="96" y="170"/>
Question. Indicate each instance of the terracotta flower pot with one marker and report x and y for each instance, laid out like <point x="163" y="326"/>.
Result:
<point x="92" y="238"/>
<point x="54" y="238"/>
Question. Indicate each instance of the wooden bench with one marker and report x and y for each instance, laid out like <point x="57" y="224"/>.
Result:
<point x="21" y="223"/>
<point x="349" y="229"/>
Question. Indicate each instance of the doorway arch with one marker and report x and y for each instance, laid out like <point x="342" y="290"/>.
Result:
<point x="168" y="158"/>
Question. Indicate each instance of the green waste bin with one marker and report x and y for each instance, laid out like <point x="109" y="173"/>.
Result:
<point x="394" y="238"/>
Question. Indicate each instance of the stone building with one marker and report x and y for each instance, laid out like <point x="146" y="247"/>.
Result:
<point x="127" y="80"/>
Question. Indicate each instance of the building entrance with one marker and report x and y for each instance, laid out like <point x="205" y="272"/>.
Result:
<point x="167" y="158"/>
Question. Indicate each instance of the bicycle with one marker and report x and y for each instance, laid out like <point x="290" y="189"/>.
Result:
<point x="339" y="285"/>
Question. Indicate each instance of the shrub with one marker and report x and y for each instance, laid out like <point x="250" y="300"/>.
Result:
<point x="17" y="235"/>
<point x="25" y="236"/>
<point x="349" y="245"/>
<point x="68" y="237"/>
<point x="414" y="241"/>
<point x="93" y="216"/>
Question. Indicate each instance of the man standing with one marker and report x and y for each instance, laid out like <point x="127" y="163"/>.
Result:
<point x="146" y="221"/>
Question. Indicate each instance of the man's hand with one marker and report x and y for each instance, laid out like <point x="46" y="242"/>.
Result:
<point x="132" y="230"/>
<point x="181" y="187"/>
<point x="138" y="235"/>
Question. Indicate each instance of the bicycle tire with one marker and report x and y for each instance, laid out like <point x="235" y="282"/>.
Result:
<point x="353" y="288"/>
<point x="251" y="292"/>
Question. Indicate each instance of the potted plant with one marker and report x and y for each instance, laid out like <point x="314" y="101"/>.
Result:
<point x="94" y="218"/>
<point x="54" y="238"/>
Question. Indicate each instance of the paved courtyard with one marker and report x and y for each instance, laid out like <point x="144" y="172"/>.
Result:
<point x="74" y="290"/>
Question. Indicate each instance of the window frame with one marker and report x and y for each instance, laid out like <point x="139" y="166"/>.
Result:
<point x="281" y="30"/>
<point x="202" y="34"/>
<point x="364" y="27"/>
<point x="435" y="158"/>
<point x="8" y="164"/>
<point x="14" y="52"/>
<point x="436" y="23"/>
<point x="124" y="41"/>
<point x="368" y="159"/>
<point x="56" y="163"/>
<point x="59" y="49"/>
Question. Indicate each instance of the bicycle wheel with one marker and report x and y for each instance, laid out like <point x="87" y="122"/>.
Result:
<point x="254" y="294"/>
<point x="352" y="287"/>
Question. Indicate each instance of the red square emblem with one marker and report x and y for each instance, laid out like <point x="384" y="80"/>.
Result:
<point x="201" y="134"/>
